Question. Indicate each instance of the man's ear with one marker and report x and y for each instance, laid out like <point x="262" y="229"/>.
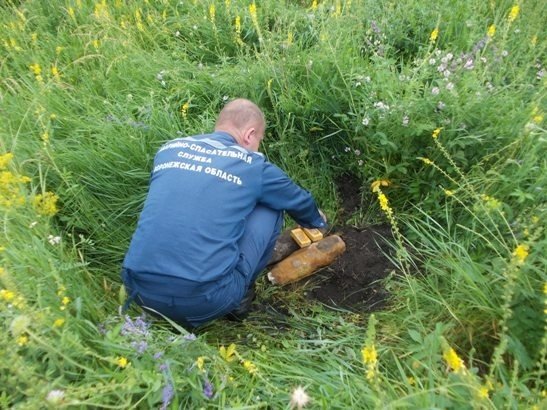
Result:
<point x="248" y="136"/>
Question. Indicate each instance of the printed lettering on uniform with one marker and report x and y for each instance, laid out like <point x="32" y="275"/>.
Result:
<point x="227" y="152"/>
<point x="194" y="155"/>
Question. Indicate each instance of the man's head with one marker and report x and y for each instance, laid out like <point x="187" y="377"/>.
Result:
<point x="243" y="120"/>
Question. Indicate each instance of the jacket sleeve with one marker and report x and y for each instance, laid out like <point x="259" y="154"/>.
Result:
<point x="279" y="192"/>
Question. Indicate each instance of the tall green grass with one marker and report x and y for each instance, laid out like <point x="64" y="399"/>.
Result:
<point x="90" y="90"/>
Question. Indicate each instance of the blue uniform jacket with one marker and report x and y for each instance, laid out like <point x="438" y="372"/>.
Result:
<point x="201" y="190"/>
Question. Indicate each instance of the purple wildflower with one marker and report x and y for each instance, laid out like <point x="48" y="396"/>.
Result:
<point x="138" y="327"/>
<point x="158" y="355"/>
<point x="480" y="44"/>
<point x="375" y="27"/>
<point x="167" y="395"/>
<point x="207" y="389"/>
<point x="140" y="346"/>
<point x="469" y="64"/>
<point x="190" y="337"/>
<point x="101" y="328"/>
<point x="163" y="367"/>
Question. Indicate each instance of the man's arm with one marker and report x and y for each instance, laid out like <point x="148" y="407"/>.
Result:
<point x="279" y="192"/>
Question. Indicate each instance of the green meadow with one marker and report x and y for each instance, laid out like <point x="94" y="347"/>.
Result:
<point x="436" y="109"/>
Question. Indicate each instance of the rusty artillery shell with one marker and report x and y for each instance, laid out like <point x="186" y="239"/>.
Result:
<point x="307" y="261"/>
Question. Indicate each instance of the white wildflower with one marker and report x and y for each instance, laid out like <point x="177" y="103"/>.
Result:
<point x="55" y="396"/>
<point x="54" y="240"/>
<point x="381" y="106"/>
<point x="299" y="398"/>
<point x="435" y="90"/>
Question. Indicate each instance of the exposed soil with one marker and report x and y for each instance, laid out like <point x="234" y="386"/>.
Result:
<point x="352" y="280"/>
<point x="349" y="191"/>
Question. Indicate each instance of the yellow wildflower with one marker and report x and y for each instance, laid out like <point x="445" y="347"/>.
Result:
<point x="534" y="40"/>
<point x="61" y="291"/>
<point x="521" y="253"/>
<point x="491" y="31"/>
<point x="513" y="14"/>
<point x="212" y="13"/>
<point x="7" y="295"/>
<point x="10" y="192"/>
<point x="491" y="203"/>
<point x="249" y="366"/>
<point x="101" y="10"/>
<point x="453" y="360"/>
<point x="410" y="380"/>
<point x="338" y="9"/>
<point x="200" y="361"/>
<point x="448" y="192"/>
<point x="184" y="109"/>
<point x="64" y="302"/>
<point x="46" y="204"/>
<point x="35" y="68"/>
<point x="55" y="72"/>
<point x="96" y="43"/>
<point x="53" y="117"/>
<point x="314" y="5"/>
<point x="371" y="372"/>
<point x="70" y="12"/>
<point x="483" y="392"/>
<point x="369" y="354"/>
<point x="237" y="25"/>
<point x="5" y="159"/>
<point x="436" y="133"/>
<point x="434" y="35"/>
<point x="229" y="353"/>
<point x="537" y="118"/>
<point x="252" y="10"/>
<point x="22" y="340"/>
<point x="227" y="3"/>
<point x="378" y="183"/>
<point x="122" y="362"/>
<point x="138" y="20"/>
<point x="19" y="302"/>
<point x="59" y="322"/>
<point x="34" y="37"/>
<point x="545" y="288"/>
<point x="383" y="202"/>
<point x="290" y="38"/>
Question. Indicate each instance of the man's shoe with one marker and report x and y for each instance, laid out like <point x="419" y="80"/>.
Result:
<point x="284" y="246"/>
<point x="242" y="311"/>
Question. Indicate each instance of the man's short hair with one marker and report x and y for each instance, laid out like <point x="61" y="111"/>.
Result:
<point x="240" y="113"/>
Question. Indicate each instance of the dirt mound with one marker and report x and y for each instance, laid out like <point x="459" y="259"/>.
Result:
<point x="352" y="281"/>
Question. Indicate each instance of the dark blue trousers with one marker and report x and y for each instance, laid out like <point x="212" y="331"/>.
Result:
<point x="193" y="303"/>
